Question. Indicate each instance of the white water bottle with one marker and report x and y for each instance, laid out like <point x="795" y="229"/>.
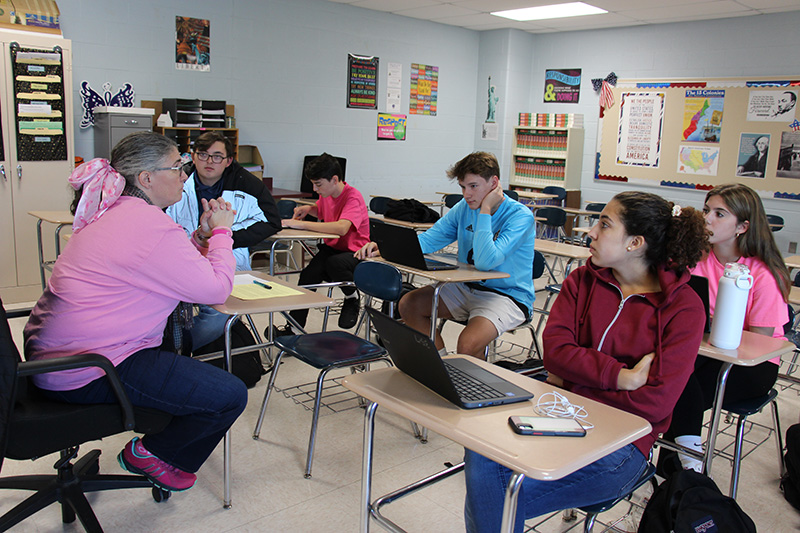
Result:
<point x="734" y="286"/>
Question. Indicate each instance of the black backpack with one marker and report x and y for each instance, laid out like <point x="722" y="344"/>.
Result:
<point x="410" y="210"/>
<point x="790" y="482"/>
<point x="689" y="502"/>
<point x="246" y="366"/>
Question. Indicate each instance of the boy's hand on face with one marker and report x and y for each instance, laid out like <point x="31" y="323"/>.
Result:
<point x="492" y="200"/>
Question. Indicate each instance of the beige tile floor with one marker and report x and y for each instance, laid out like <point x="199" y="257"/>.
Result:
<point x="270" y="494"/>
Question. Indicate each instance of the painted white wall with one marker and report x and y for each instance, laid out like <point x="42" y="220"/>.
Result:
<point x="283" y="64"/>
<point x="764" y="45"/>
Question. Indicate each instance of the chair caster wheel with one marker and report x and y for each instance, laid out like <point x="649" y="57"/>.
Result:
<point x="161" y="495"/>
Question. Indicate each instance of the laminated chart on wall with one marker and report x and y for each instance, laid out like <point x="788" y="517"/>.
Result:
<point x="696" y="134"/>
<point x="39" y="104"/>
<point x="423" y="99"/>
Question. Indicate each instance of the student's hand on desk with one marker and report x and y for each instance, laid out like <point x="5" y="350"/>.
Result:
<point x="552" y="379"/>
<point x="292" y="223"/>
<point x="300" y="212"/>
<point x="368" y="250"/>
<point x="636" y="377"/>
<point x="492" y="200"/>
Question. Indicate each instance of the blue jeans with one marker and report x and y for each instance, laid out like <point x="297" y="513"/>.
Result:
<point x="610" y="477"/>
<point x="204" y="400"/>
<point x="207" y="326"/>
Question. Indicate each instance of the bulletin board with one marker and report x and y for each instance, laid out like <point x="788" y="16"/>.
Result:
<point x="697" y="134"/>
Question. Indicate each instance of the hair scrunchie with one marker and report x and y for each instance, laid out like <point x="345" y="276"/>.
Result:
<point x="676" y="210"/>
<point x="102" y="186"/>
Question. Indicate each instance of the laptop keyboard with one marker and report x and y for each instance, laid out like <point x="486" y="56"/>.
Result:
<point x="469" y="388"/>
<point x="435" y="264"/>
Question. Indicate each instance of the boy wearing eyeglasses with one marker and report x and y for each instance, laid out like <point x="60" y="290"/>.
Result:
<point x="214" y="173"/>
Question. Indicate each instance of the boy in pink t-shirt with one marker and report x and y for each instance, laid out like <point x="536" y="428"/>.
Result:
<point x="341" y="211"/>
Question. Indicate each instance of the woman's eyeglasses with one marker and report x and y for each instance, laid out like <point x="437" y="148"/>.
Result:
<point x="216" y="158"/>
<point x="176" y="169"/>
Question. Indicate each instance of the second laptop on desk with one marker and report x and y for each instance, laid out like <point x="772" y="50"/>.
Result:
<point x="458" y="380"/>
<point x="401" y="245"/>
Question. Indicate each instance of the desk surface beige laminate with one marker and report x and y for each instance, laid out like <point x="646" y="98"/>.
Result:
<point x="403" y="223"/>
<point x="53" y="217"/>
<point x="792" y="261"/>
<point x="563" y="249"/>
<point x="753" y="350"/>
<point x="462" y="274"/>
<point x="794" y="296"/>
<point x="306" y="300"/>
<point x="532" y="195"/>
<point x="486" y="430"/>
<point x="301" y="234"/>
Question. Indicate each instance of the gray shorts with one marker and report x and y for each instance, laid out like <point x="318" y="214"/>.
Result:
<point x="465" y="302"/>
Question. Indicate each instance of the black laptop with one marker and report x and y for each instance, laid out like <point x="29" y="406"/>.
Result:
<point x="400" y="245"/>
<point x="459" y="380"/>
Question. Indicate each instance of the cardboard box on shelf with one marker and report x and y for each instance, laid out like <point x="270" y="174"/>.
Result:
<point x="250" y="158"/>
<point x="37" y="15"/>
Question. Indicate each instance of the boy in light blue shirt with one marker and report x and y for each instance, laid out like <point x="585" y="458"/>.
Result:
<point x="493" y="232"/>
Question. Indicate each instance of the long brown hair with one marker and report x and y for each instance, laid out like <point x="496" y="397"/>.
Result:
<point x="758" y="241"/>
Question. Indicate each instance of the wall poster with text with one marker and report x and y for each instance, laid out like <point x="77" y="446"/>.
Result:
<point x="424" y="94"/>
<point x="641" y="119"/>
<point x="192" y="44"/>
<point x="391" y="127"/>
<point x="362" y="82"/>
<point x="562" y="86"/>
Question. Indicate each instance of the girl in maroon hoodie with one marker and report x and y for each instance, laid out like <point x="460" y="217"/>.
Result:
<point x="624" y="331"/>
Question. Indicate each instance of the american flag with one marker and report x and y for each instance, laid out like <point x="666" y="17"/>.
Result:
<point x="607" y="97"/>
<point x="795" y="125"/>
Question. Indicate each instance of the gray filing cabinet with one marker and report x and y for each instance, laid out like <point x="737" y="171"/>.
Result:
<point x="111" y="124"/>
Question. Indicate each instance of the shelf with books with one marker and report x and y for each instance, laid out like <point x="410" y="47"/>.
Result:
<point x="545" y="156"/>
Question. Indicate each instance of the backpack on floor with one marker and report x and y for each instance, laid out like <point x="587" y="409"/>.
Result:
<point x="246" y="366"/>
<point x="790" y="482"/>
<point x="689" y="502"/>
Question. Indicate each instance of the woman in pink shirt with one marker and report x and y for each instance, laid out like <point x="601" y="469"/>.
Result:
<point x="127" y="268"/>
<point x="738" y="233"/>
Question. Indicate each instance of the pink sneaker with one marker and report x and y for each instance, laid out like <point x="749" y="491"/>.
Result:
<point x="135" y="458"/>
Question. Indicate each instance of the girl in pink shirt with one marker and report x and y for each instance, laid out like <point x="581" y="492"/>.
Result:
<point x="738" y="233"/>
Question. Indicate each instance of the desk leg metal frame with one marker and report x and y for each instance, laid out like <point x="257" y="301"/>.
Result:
<point x="368" y="508"/>
<point x="711" y="441"/>
<point x="41" y="252"/>
<point x="226" y="448"/>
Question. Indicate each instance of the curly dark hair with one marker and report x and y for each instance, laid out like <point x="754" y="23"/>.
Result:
<point x="675" y="241"/>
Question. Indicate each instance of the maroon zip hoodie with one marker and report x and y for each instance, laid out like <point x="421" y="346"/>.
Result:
<point x="592" y="334"/>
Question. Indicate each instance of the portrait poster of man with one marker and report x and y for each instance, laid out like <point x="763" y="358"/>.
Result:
<point x="774" y="105"/>
<point x="192" y="44"/>
<point x="789" y="158"/>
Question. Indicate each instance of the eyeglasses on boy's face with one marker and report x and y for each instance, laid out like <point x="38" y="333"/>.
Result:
<point x="216" y="158"/>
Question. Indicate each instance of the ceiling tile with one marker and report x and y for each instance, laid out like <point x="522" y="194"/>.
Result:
<point x="436" y="12"/>
<point x="393" y="5"/>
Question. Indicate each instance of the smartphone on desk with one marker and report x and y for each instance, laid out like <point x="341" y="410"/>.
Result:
<point x="546" y="427"/>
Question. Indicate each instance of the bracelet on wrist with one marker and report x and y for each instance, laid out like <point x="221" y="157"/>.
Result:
<point x="221" y="230"/>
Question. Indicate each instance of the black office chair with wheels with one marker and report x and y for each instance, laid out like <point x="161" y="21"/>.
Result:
<point x="511" y="194"/>
<point x="32" y="426"/>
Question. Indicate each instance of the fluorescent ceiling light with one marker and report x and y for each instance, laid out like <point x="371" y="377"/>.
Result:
<point x="572" y="9"/>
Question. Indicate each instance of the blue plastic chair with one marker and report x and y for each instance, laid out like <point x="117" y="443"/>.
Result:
<point x="336" y="349"/>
